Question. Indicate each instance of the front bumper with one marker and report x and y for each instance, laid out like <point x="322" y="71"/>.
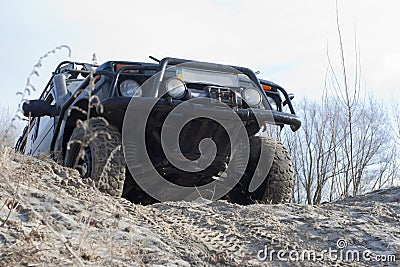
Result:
<point x="113" y="109"/>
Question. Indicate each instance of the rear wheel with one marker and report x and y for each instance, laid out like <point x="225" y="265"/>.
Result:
<point x="96" y="152"/>
<point x="278" y="183"/>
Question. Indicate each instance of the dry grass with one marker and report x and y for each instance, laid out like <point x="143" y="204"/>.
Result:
<point x="52" y="216"/>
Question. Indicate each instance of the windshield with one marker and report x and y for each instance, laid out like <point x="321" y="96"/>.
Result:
<point x="73" y="84"/>
<point x="190" y="75"/>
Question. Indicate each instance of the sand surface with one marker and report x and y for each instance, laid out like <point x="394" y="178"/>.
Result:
<point x="50" y="216"/>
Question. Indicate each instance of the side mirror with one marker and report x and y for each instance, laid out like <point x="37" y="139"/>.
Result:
<point x="39" y="108"/>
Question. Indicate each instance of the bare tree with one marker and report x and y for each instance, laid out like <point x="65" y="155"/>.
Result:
<point x="346" y="145"/>
<point x="313" y="149"/>
<point x="321" y="149"/>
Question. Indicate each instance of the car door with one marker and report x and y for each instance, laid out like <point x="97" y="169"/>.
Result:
<point x="44" y="129"/>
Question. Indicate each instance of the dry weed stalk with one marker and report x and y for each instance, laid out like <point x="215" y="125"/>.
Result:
<point x="43" y="219"/>
<point x="107" y="166"/>
<point x="85" y="233"/>
<point x="88" y="137"/>
<point x="29" y="88"/>
<point x="16" y="198"/>
<point x="93" y="102"/>
<point x="15" y="191"/>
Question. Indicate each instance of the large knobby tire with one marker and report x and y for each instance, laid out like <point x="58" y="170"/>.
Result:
<point x="97" y="153"/>
<point x="277" y="186"/>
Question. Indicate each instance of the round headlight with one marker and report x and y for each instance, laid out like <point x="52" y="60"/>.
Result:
<point x="176" y="88"/>
<point x="130" y="88"/>
<point x="252" y="97"/>
<point x="274" y="106"/>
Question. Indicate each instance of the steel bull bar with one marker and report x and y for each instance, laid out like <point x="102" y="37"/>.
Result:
<point x="113" y="109"/>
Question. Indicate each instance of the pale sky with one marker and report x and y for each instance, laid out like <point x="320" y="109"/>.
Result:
<point x="287" y="41"/>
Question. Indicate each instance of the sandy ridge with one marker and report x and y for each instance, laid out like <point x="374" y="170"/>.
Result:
<point x="57" y="218"/>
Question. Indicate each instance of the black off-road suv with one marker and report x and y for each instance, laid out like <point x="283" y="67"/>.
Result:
<point x="80" y="116"/>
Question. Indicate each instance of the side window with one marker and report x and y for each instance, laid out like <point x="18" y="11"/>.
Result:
<point x="72" y="85"/>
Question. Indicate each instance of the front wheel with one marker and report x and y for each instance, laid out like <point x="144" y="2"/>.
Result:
<point x="95" y="150"/>
<point x="278" y="183"/>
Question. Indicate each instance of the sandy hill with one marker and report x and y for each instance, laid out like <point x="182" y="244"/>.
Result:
<point x="49" y="216"/>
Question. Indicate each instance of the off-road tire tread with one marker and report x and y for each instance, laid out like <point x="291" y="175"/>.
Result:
<point x="108" y="172"/>
<point x="278" y="184"/>
<point x="280" y="180"/>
